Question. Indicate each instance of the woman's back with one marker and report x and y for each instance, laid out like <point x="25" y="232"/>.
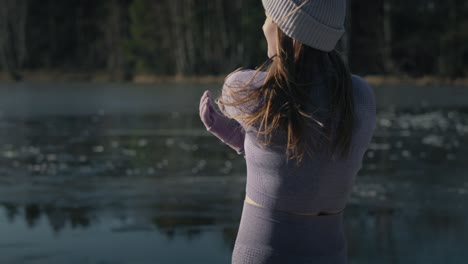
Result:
<point x="275" y="232"/>
<point x="320" y="183"/>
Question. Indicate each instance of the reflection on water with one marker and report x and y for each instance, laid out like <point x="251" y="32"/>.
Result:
<point x="157" y="188"/>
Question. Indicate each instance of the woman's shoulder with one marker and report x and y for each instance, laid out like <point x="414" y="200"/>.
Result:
<point x="363" y="91"/>
<point x="361" y="83"/>
<point x="244" y="78"/>
<point x="237" y="87"/>
<point x="365" y="100"/>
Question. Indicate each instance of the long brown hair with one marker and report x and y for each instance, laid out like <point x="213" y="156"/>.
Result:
<point x="284" y="93"/>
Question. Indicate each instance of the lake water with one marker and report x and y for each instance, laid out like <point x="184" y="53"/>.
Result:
<point x="118" y="173"/>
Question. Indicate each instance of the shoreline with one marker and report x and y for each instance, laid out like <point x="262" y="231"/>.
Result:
<point x="103" y="77"/>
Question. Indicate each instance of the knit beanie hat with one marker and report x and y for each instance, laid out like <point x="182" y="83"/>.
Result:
<point x="318" y="23"/>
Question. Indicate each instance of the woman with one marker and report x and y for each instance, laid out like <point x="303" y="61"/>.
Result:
<point x="302" y="105"/>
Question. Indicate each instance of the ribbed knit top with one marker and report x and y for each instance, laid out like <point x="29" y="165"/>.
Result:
<point x="320" y="183"/>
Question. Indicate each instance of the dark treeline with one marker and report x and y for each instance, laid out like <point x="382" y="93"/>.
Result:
<point x="124" y="38"/>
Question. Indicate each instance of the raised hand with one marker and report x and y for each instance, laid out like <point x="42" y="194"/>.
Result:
<point x="228" y="130"/>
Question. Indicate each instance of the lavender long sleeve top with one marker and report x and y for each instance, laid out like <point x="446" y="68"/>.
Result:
<point x="320" y="183"/>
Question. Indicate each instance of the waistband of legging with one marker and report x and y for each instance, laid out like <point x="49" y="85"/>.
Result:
<point x="273" y="214"/>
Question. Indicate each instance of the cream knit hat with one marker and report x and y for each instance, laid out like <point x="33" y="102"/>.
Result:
<point x="318" y="23"/>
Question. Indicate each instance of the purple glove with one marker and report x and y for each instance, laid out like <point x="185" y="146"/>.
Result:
<point x="228" y="130"/>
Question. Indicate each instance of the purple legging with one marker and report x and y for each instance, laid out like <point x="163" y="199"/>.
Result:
<point x="271" y="236"/>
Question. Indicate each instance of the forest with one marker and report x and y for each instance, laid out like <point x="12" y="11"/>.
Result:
<point x="124" y="38"/>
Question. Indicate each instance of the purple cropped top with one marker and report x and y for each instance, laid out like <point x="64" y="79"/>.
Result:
<point x="320" y="183"/>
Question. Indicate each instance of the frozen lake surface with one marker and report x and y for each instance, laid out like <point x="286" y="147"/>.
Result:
<point x="102" y="173"/>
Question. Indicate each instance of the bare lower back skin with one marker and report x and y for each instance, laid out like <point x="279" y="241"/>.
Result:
<point x="250" y="201"/>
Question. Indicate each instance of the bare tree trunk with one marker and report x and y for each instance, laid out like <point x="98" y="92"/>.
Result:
<point x="223" y="38"/>
<point x="4" y="36"/>
<point x="345" y="40"/>
<point x="52" y="34"/>
<point x="189" y="35"/>
<point x="165" y="37"/>
<point x="176" y="11"/>
<point x="453" y="55"/>
<point x="389" y="66"/>
<point x="13" y="36"/>
<point x="206" y="34"/>
<point x="240" y="44"/>
<point x="21" y="31"/>
<point x="114" y="29"/>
